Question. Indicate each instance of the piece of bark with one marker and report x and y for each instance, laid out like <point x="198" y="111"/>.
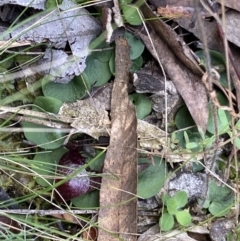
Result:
<point x="188" y="85"/>
<point x="118" y="201"/>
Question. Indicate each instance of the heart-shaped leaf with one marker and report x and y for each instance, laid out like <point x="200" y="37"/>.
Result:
<point x="49" y="104"/>
<point x="217" y="62"/>
<point x="181" y="198"/>
<point x="221" y="199"/>
<point x="47" y="139"/>
<point x="183" y="218"/>
<point x="166" y="222"/>
<point x="70" y="92"/>
<point x="45" y="164"/>
<point x="136" y="64"/>
<point x="143" y="105"/>
<point x="88" y="200"/>
<point x="136" y="46"/>
<point x="172" y="205"/>
<point x="96" y="73"/>
<point x="131" y="14"/>
<point x="152" y="179"/>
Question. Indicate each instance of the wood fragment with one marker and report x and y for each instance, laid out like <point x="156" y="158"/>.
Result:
<point x="118" y="201"/>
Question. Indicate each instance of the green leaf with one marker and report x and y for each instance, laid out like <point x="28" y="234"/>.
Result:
<point x="222" y="127"/>
<point x="166" y="222"/>
<point x="181" y="198"/>
<point x="221" y="199"/>
<point x="152" y="179"/>
<point x="70" y="92"/>
<point x="131" y="14"/>
<point x="183" y="118"/>
<point x="197" y="167"/>
<point x="47" y="139"/>
<point x="183" y="218"/>
<point x="172" y="205"/>
<point x="87" y="201"/>
<point x="52" y="3"/>
<point x="220" y="209"/>
<point x="6" y="62"/>
<point x="216" y="58"/>
<point x="44" y="164"/>
<point x="143" y="105"/>
<point x="136" y="64"/>
<point x="217" y="62"/>
<point x="185" y="133"/>
<point x="103" y="55"/>
<point x="236" y="140"/>
<point x="136" y="46"/>
<point x="165" y="198"/>
<point x="125" y="1"/>
<point x="192" y="145"/>
<point x="112" y="64"/>
<point x="206" y="203"/>
<point x="49" y="104"/>
<point x="96" y="73"/>
<point x="98" y="163"/>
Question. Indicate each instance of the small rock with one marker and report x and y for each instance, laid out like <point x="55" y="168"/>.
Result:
<point x="192" y="183"/>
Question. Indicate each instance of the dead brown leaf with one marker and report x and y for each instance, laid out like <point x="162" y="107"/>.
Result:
<point x="173" y="41"/>
<point x="234" y="4"/>
<point x="118" y="202"/>
<point x="232" y="30"/>
<point x="187" y="83"/>
<point x="214" y="42"/>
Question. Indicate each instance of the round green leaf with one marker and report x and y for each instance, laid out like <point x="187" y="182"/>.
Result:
<point x="217" y="59"/>
<point x="112" y="64"/>
<point x="70" y="92"/>
<point x="166" y="222"/>
<point x="172" y="205"/>
<point x="87" y="201"/>
<point x="220" y="209"/>
<point x="98" y="163"/>
<point x="183" y="218"/>
<point x="49" y="104"/>
<point x="136" y="46"/>
<point x="131" y="14"/>
<point x="136" y="64"/>
<point x="47" y="139"/>
<point x="152" y="179"/>
<point x="183" y="118"/>
<point x="103" y="55"/>
<point x="181" y="198"/>
<point x="143" y="105"/>
<point x="217" y="62"/>
<point x="221" y="199"/>
<point x="96" y="73"/>
<point x="45" y="164"/>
